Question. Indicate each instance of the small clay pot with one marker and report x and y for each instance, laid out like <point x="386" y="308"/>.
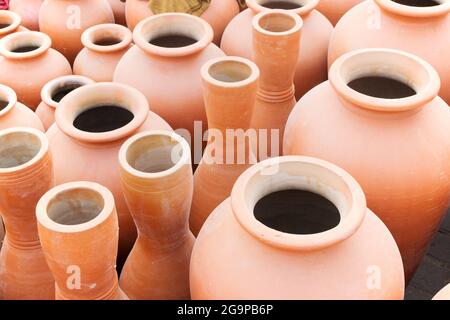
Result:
<point x="28" y="11"/>
<point x="118" y="8"/>
<point x="10" y="22"/>
<point x="444" y="294"/>
<point x="334" y="10"/>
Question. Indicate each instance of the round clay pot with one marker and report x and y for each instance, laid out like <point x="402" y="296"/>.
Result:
<point x="218" y="14"/>
<point x="312" y="62"/>
<point x="295" y="228"/>
<point x="28" y="10"/>
<point x="387" y="24"/>
<point x="391" y="135"/>
<point x="170" y="76"/>
<point x="444" y="294"/>
<point x="229" y="86"/>
<point x="10" y="22"/>
<point x="25" y="175"/>
<point x="53" y="92"/>
<point x="27" y="63"/>
<point x="118" y="8"/>
<point x="78" y="228"/>
<point x="65" y="21"/>
<point x="334" y="10"/>
<point x="87" y="148"/>
<point x="105" y="44"/>
<point x="157" y="181"/>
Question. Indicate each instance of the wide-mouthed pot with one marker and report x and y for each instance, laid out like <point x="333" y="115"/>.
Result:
<point x="10" y="22"/>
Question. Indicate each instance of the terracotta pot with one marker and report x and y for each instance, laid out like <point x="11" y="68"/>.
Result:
<point x="444" y="294"/>
<point x="292" y="247"/>
<point x="105" y="44"/>
<point x="334" y="10"/>
<point x="395" y="147"/>
<point x="170" y="77"/>
<point x="230" y="85"/>
<point x="93" y="155"/>
<point x="9" y="23"/>
<point x="312" y="62"/>
<point x="65" y="21"/>
<point x="118" y="8"/>
<point x="78" y="228"/>
<point x="387" y="24"/>
<point x="23" y="71"/>
<point x="28" y="10"/>
<point x="157" y="180"/>
<point x="218" y="14"/>
<point x="25" y="175"/>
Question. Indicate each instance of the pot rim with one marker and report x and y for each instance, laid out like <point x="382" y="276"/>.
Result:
<point x="25" y="38"/>
<point x="122" y="33"/>
<point x="50" y="87"/>
<point x="9" y="95"/>
<point x="413" y="11"/>
<point x="305" y="9"/>
<point x="14" y="18"/>
<point x="297" y="26"/>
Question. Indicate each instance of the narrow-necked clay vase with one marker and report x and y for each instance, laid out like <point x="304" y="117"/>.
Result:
<point x="79" y="232"/>
<point x="229" y="86"/>
<point x="28" y="11"/>
<point x="312" y="62"/>
<point x="118" y="8"/>
<point x="10" y="22"/>
<point x="25" y="175"/>
<point x="295" y="228"/>
<point x="91" y="123"/>
<point x="403" y="25"/>
<point x="444" y="294"/>
<point x="104" y="46"/>
<point x="276" y="41"/>
<point x="380" y="118"/>
<point x="165" y="65"/>
<point x="27" y="63"/>
<point x="157" y="181"/>
<point x="218" y="13"/>
<point x="65" y="21"/>
<point x="52" y="94"/>
<point x="334" y="10"/>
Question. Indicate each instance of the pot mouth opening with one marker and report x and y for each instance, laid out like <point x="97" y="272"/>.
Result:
<point x="8" y="99"/>
<point x="277" y="23"/>
<point x="416" y="8"/>
<point x="103" y="118"/>
<point x="25" y="44"/>
<point x="55" y="90"/>
<point x="107" y="38"/>
<point x="230" y="72"/>
<point x="300" y="7"/>
<point x="9" y="21"/>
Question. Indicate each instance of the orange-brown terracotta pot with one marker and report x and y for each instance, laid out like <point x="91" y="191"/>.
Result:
<point x="118" y="8"/>
<point x="230" y="85"/>
<point x="334" y="10"/>
<point x="53" y="92"/>
<point x="28" y="11"/>
<point x="23" y="57"/>
<point x="218" y="14"/>
<point x="79" y="232"/>
<point x="10" y="22"/>
<point x="312" y="62"/>
<point x="397" y="146"/>
<point x="444" y="294"/>
<point x="105" y="44"/>
<point x="65" y="21"/>
<point x="80" y="153"/>
<point x="295" y="252"/>
<point x="157" y="180"/>
<point x="423" y="31"/>
<point x="25" y="175"/>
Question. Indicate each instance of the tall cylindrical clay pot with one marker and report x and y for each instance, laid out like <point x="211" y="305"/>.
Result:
<point x="386" y="125"/>
<point x="334" y="10"/>
<point x="295" y="228"/>
<point x="23" y="57"/>
<point x="79" y="232"/>
<point x="157" y="181"/>
<point x="229" y="86"/>
<point x="25" y="175"/>
<point x="312" y="61"/>
<point x="444" y="294"/>
<point x="10" y="22"/>
<point x="118" y="8"/>
<point x="28" y="11"/>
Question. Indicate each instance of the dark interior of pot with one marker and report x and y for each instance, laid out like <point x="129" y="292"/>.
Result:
<point x="172" y="41"/>
<point x="418" y="3"/>
<point x="25" y="48"/>
<point x="4" y="25"/>
<point x="64" y="90"/>
<point x="3" y="104"/>
<point x="280" y="4"/>
<point x="103" y="118"/>
<point x="276" y="22"/>
<point x="17" y="149"/>
<point x="230" y="71"/>
<point x="107" y="41"/>
<point x="381" y="87"/>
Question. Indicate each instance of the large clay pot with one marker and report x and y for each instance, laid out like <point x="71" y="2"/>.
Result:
<point x="87" y="148"/>
<point x="105" y="44"/>
<point x="53" y="92"/>
<point x="27" y="63"/>
<point x="10" y="22"/>
<point x="78" y="228"/>
<point x="312" y="62"/>
<point x="157" y="181"/>
<point x="295" y="228"/>
<point x="392" y="136"/>
<point x="334" y="10"/>
<point x="218" y="14"/>
<point x="25" y="175"/>
<point x="230" y="85"/>
<point x="118" y="8"/>
<point x="65" y="21"/>
<point x="28" y="11"/>
<point x="423" y="31"/>
<point x="444" y="294"/>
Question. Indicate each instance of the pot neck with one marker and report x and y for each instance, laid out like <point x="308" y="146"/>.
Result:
<point x="301" y="7"/>
<point x="107" y="38"/>
<point x="10" y="20"/>
<point x="25" y="45"/>
<point x="401" y="8"/>
<point x="64" y="83"/>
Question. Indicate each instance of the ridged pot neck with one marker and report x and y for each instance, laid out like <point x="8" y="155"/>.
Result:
<point x="9" y="96"/>
<point x="403" y="9"/>
<point x="12" y="21"/>
<point x="299" y="173"/>
<point x="105" y="38"/>
<point x="65" y="82"/>
<point x="393" y="64"/>
<point x="168" y="24"/>
<point x="14" y="41"/>
<point x="304" y="6"/>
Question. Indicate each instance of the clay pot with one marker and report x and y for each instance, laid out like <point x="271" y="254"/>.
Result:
<point x="25" y="175"/>
<point x="444" y="294"/>
<point x="170" y="77"/>
<point x="230" y="85"/>
<point x="312" y="62"/>
<point x="28" y="10"/>
<point x="2" y="232"/>
<point x="157" y="181"/>
<point x="28" y="70"/>
<point x="334" y="10"/>
<point x="118" y="8"/>
<point x="65" y="21"/>
<point x="319" y="245"/>
<point x="93" y="141"/>
<point x="387" y="24"/>
<point x="9" y="23"/>
<point x="218" y="14"/>
<point x="78" y="228"/>
<point x="392" y="136"/>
